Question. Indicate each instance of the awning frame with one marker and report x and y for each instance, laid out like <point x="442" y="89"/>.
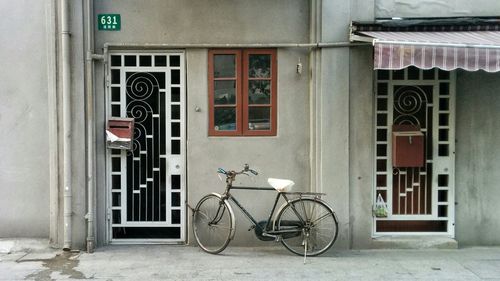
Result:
<point x="373" y="41"/>
<point x="458" y="43"/>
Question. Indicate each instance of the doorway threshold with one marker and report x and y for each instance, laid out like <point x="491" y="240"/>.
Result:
<point x="414" y="242"/>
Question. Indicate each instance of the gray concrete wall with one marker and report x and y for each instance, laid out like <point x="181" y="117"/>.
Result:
<point x="343" y="115"/>
<point x="78" y="142"/>
<point x="477" y="158"/>
<point x="361" y="134"/>
<point x="361" y="141"/>
<point x="283" y="156"/>
<point x="24" y="169"/>
<point x="215" y="21"/>
<point x="332" y="116"/>
<point x="435" y="8"/>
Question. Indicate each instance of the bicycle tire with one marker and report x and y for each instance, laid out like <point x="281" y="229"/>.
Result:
<point x="213" y="223"/>
<point x="319" y="226"/>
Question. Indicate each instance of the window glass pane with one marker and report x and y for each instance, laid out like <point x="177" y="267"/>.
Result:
<point x="176" y="216"/>
<point x="175" y="76"/>
<point x="130" y="60"/>
<point x="443" y="134"/>
<point x="382" y="89"/>
<point x="381" y="134"/>
<point x="176" y="94"/>
<point x="225" y="92"/>
<point x="259" y="66"/>
<point x="381" y="119"/>
<point x="115" y="93"/>
<point x="176" y="181"/>
<point x="115" y="110"/>
<point x="144" y="60"/>
<point x="259" y="118"/>
<point x="160" y="60"/>
<point x="382" y="104"/>
<point x="429" y="74"/>
<point x="115" y="76"/>
<point x="116" y="181"/>
<point x="176" y="199"/>
<point x="176" y="147"/>
<point x="116" y="164"/>
<point x="225" y="119"/>
<point x="175" y="60"/>
<point x="259" y="92"/>
<point x="175" y="129"/>
<point x="224" y="66"/>
<point x="398" y="74"/>
<point x="444" y="104"/>
<point x="444" y="89"/>
<point x="116" y="198"/>
<point x="413" y="73"/>
<point x="381" y="165"/>
<point x="176" y="112"/>
<point x="383" y="74"/>
<point x="116" y="60"/>
<point x="443" y="74"/>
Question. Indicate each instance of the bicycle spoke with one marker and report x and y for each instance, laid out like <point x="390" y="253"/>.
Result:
<point x="304" y="209"/>
<point x="321" y="218"/>
<point x="205" y="215"/>
<point x="320" y="230"/>
<point x="212" y="224"/>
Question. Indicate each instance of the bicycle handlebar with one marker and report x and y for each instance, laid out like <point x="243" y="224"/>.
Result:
<point x="246" y="168"/>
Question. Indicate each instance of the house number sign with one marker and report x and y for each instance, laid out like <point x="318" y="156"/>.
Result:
<point x="111" y="22"/>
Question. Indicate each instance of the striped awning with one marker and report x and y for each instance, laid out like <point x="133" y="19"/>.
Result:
<point x="448" y="50"/>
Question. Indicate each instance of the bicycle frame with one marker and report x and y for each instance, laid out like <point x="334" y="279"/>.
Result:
<point x="269" y="228"/>
<point x="297" y="217"/>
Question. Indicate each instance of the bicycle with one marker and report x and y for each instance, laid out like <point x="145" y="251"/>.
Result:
<point x="305" y="224"/>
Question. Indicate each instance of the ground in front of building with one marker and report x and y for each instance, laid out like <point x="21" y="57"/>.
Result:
<point x="162" y="262"/>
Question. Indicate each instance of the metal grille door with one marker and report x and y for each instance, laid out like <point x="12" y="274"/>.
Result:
<point x="147" y="183"/>
<point x="420" y="200"/>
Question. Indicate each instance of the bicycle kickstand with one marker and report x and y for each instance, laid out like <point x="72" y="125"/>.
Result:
<point x="305" y="250"/>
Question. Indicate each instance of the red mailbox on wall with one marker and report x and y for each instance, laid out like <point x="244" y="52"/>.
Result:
<point x="407" y="146"/>
<point x="120" y="133"/>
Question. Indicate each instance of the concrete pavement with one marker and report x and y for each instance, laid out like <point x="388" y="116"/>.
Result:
<point x="163" y="262"/>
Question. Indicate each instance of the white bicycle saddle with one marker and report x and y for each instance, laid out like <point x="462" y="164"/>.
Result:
<point x="281" y="185"/>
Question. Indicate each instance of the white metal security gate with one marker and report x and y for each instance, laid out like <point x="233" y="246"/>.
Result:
<point x="146" y="186"/>
<point x="420" y="200"/>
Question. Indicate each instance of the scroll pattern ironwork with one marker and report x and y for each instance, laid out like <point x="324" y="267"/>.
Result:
<point x="145" y="194"/>
<point x="412" y="187"/>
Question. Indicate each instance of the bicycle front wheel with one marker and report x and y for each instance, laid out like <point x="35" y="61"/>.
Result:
<point x="315" y="223"/>
<point x="213" y="224"/>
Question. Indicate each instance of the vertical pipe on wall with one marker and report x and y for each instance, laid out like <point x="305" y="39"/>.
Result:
<point x="314" y="90"/>
<point x="312" y="74"/>
<point x="66" y="93"/>
<point x="90" y="123"/>
<point x="51" y="12"/>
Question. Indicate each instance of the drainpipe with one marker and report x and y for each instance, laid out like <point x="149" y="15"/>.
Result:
<point x="66" y="96"/>
<point x="88" y="16"/>
<point x="89" y="114"/>
<point x="314" y="91"/>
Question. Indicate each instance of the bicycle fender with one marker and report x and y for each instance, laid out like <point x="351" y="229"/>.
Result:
<point x="231" y="212"/>
<point x="298" y="199"/>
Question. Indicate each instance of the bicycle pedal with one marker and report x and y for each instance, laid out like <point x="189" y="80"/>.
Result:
<point x="251" y="228"/>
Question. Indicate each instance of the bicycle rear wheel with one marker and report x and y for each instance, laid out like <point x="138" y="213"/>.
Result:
<point x="315" y="222"/>
<point x="213" y="224"/>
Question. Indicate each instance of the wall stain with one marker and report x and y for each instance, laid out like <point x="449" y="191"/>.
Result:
<point x="63" y="263"/>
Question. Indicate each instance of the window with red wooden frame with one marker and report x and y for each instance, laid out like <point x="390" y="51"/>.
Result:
<point x="242" y="90"/>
